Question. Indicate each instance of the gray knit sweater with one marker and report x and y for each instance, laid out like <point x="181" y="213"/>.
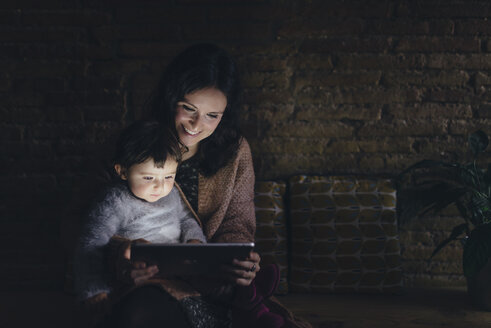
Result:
<point x="167" y="220"/>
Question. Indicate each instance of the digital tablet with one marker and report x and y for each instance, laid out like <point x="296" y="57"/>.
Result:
<point x="189" y="259"/>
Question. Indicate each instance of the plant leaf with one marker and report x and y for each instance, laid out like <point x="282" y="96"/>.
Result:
<point x="477" y="250"/>
<point x="456" y="232"/>
<point x="478" y="142"/>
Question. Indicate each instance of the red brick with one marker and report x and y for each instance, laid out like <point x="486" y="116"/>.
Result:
<point x="380" y="61"/>
<point x="449" y="9"/>
<point x="481" y="26"/>
<point x="267" y="97"/>
<point x="260" y="12"/>
<point x="98" y="113"/>
<point x="11" y="132"/>
<point x="427" y="78"/>
<point x="483" y="111"/>
<point x="94" y="84"/>
<point x="220" y="32"/>
<point x="52" y="68"/>
<point x="311" y="130"/>
<point x="377" y="96"/>
<point x="340" y="8"/>
<point x="53" y="131"/>
<point x="116" y="68"/>
<point x="272" y="113"/>
<point x="456" y="61"/>
<point x="371" y="163"/>
<point x="146" y="49"/>
<point x="400" y="26"/>
<point x="436" y="44"/>
<point x="292" y="146"/>
<point x="404" y="128"/>
<point x="63" y="114"/>
<point x="65" y="18"/>
<point x="312" y="27"/>
<point x="350" y="112"/>
<point x="266" y="80"/>
<point x="330" y="79"/>
<point x="149" y="31"/>
<point x="163" y="14"/>
<point x="39" y="85"/>
<point x="10" y="17"/>
<point x="84" y="98"/>
<point x="453" y="95"/>
<point x="429" y="111"/>
<point x="30" y="34"/>
<point x="216" y="2"/>
<point x="5" y="84"/>
<point x="43" y="5"/>
<point x="465" y="127"/>
<point x="334" y="45"/>
<point x="385" y="144"/>
<point x="262" y="63"/>
<point x="312" y="61"/>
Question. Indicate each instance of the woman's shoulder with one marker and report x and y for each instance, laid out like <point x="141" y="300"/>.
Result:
<point x="244" y="150"/>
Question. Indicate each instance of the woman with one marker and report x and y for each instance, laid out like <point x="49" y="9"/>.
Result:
<point x="198" y="95"/>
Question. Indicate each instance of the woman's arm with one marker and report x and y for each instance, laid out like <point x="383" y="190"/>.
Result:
<point x="239" y="223"/>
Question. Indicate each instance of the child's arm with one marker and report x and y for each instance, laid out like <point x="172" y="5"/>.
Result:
<point x="92" y="276"/>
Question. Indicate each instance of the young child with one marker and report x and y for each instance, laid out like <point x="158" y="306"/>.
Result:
<point x="142" y="205"/>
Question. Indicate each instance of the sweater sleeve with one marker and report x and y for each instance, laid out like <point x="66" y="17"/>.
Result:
<point x="91" y="272"/>
<point x="239" y="223"/>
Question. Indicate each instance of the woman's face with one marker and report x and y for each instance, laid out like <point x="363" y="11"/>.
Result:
<point x="198" y="115"/>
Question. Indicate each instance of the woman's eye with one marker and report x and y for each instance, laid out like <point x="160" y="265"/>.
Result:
<point x="189" y="109"/>
<point x="147" y="178"/>
<point x="212" y="116"/>
<point x="169" y="177"/>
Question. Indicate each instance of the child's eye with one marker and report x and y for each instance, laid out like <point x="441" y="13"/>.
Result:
<point x="169" y="177"/>
<point x="213" y="116"/>
<point x="148" y="178"/>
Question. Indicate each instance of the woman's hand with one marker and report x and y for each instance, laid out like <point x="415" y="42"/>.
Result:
<point x="139" y="273"/>
<point x="136" y="272"/>
<point x="242" y="272"/>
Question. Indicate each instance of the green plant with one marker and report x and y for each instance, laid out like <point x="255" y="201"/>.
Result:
<point x="429" y="186"/>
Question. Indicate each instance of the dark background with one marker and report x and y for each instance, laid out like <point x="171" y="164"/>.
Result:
<point x="331" y="87"/>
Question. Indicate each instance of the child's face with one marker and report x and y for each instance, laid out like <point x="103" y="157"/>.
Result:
<point x="148" y="182"/>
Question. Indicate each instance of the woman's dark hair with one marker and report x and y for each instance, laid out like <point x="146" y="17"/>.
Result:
<point x="146" y="139"/>
<point x="198" y="67"/>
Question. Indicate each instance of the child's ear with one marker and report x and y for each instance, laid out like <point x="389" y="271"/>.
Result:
<point x="120" y="171"/>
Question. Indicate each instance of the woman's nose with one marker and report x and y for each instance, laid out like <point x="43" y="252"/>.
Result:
<point x="195" y="120"/>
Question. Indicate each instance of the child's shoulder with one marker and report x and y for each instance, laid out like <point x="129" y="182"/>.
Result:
<point x="113" y="192"/>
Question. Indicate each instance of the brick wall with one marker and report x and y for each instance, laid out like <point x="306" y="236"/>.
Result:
<point x="365" y="87"/>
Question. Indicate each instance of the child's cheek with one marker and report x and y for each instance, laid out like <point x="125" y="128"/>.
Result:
<point x="139" y="189"/>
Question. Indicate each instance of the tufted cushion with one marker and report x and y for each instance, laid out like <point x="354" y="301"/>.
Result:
<point x="271" y="228"/>
<point x="344" y="235"/>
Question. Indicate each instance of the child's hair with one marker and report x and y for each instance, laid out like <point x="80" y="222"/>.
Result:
<point x="146" y="139"/>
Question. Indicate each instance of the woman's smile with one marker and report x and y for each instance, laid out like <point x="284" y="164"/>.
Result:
<point x="193" y="133"/>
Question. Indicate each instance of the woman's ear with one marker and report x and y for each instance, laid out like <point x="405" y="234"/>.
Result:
<point x="120" y="171"/>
